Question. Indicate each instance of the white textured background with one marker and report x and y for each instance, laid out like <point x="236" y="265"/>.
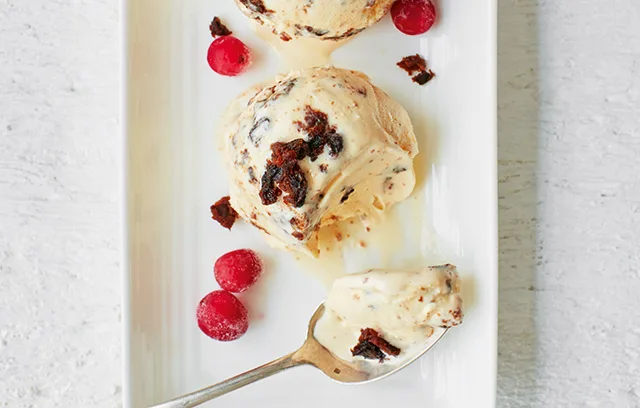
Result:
<point x="569" y="95"/>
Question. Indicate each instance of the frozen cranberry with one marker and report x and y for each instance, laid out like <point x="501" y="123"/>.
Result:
<point x="237" y="270"/>
<point x="221" y="316"/>
<point x="228" y="56"/>
<point x="413" y="17"/>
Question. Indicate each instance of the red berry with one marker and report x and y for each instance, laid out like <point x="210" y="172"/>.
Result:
<point x="222" y="317"/>
<point x="228" y="56"/>
<point x="413" y="17"/>
<point x="237" y="270"/>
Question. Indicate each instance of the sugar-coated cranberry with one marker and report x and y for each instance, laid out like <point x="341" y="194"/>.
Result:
<point x="222" y="316"/>
<point x="237" y="270"/>
<point x="228" y="56"/>
<point x="413" y="17"/>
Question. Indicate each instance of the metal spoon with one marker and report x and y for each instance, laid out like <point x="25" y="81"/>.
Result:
<point x="312" y="353"/>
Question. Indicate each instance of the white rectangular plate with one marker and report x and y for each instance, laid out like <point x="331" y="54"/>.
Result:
<point x="172" y="103"/>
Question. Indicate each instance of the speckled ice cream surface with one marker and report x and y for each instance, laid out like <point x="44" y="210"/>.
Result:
<point x="373" y="170"/>
<point x="322" y="19"/>
<point x="404" y="306"/>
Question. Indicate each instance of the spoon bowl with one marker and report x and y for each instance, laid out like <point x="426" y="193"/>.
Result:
<point x="311" y="353"/>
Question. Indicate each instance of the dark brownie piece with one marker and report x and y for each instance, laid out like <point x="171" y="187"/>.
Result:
<point x="415" y="63"/>
<point x="283" y="174"/>
<point x="218" y="29"/>
<point x="223" y="213"/>
<point x="423" y="77"/>
<point x="373" y="347"/>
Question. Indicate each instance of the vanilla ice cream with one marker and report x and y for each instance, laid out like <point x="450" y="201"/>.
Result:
<point x="325" y="19"/>
<point x="403" y="306"/>
<point x="313" y="148"/>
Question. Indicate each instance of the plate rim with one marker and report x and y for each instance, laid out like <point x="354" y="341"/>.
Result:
<point x="126" y="272"/>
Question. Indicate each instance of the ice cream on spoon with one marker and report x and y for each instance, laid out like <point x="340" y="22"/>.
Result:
<point x="385" y="314"/>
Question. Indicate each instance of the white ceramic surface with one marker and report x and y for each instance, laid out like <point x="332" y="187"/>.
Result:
<point x="174" y="174"/>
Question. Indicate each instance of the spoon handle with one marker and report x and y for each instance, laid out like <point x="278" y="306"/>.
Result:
<point x="231" y="384"/>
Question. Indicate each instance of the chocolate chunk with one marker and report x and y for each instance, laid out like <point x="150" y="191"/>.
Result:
<point x="399" y="169"/>
<point x="293" y="182"/>
<point x="274" y="92"/>
<point x="368" y="350"/>
<point x="284" y="88"/>
<point x="335" y="143"/>
<point x="318" y="32"/>
<point x="258" y="127"/>
<point x="316" y="147"/>
<point x="284" y="175"/>
<point x="320" y="133"/>
<point x="316" y="123"/>
<point x="285" y="152"/>
<point x="413" y="63"/>
<point x="423" y="77"/>
<point x="324" y="167"/>
<point x="346" y="195"/>
<point x="350" y="32"/>
<point x="269" y="193"/>
<point x="257" y="6"/>
<point x="223" y="213"/>
<point x="218" y="29"/>
<point x="372" y="346"/>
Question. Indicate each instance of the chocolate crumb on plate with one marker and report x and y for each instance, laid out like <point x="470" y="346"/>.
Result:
<point x="218" y="29"/>
<point x="423" y="77"/>
<point x="373" y="347"/>
<point x="415" y="63"/>
<point x="223" y="213"/>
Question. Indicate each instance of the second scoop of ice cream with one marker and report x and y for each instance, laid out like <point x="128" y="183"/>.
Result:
<point x="325" y="20"/>
<point x="313" y="148"/>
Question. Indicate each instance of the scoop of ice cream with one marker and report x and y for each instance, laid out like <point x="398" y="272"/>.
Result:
<point x="326" y="19"/>
<point x="403" y="306"/>
<point x="313" y="148"/>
